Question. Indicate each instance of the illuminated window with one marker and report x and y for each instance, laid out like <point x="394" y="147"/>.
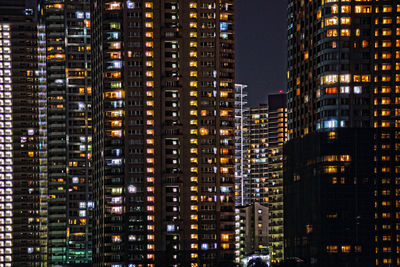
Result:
<point x="330" y="169"/>
<point x="331" y="21"/>
<point x="346" y="249"/>
<point x="148" y="5"/>
<point x="387" y="9"/>
<point x="346" y="9"/>
<point x="306" y="55"/>
<point x="345" y="32"/>
<point x="116" y="239"/>
<point x="332" y="249"/>
<point x="331" y="90"/>
<point x="386" y="32"/>
<point x="386" y="66"/>
<point x="334" y="9"/>
<point x="113" y="6"/>
<point x="345" y="78"/>
<point x="225" y="237"/>
<point x="345" y="21"/>
<point x="115" y="25"/>
<point x="331" y="33"/>
<point x="329" y="79"/>
<point x="203" y="131"/>
<point x="362" y="9"/>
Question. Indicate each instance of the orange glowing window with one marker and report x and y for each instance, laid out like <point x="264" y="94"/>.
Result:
<point x="331" y="90"/>
<point x="113" y="75"/>
<point x="115" y="55"/>
<point x="117" y="123"/>
<point x="224" y="113"/>
<point x="203" y="131"/>
<point x="225" y="237"/>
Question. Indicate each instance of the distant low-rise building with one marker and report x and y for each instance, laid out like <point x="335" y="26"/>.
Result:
<point x="252" y="230"/>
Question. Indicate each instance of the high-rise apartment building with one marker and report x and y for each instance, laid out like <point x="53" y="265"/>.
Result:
<point x="277" y="135"/>
<point x="163" y="117"/>
<point x="260" y="136"/>
<point x="240" y="143"/>
<point x="22" y="200"/>
<point x="65" y="28"/>
<point x="256" y="136"/>
<point x="343" y="75"/>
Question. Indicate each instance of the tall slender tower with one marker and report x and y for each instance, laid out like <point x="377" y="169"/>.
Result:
<point x="241" y="110"/>
<point x="277" y="136"/>
<point x="256" y="158"/>
<point x="66" y="29"/>
<point x="343" y="115"/>
<point x="163" y="114"/>
<point x="22" y="218"/>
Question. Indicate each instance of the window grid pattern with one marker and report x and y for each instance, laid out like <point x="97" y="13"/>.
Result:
<point x="6" y="163"/>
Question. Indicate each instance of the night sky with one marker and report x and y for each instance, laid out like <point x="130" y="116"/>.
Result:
<point x="261" y="47"/>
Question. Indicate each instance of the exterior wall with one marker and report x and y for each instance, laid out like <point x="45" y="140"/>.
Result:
<point x="342" y="73"/>
<point x="240" y="143"/>
<point x="277" y="136"/>
<point x="163" y="132"/>
<point x="252" y="226"/>
<point x="329" y="200"/>
<point x="257" y="156"/>
<point x="22" y="217"/>
<point x="67" y="32"/>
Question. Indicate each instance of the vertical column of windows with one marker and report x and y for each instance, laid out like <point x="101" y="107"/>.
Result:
<point x="68" y="82"/>
<point x="42" y="99"/>
<point x="386" y="117"/>
<point x="114" y="102"/>
<point x="395" y="19"/>
<point x="78" y="113"/>
<point x="193" y="112"/>
<point x="150" y="131"/>
<point x="225" y="90"/>
<point x="276" y="137"/>
<point x="57" y="149"/>
<point x="207" y="65"/>
<point x="204" y="51"/>
<point x="6" y="150"/>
